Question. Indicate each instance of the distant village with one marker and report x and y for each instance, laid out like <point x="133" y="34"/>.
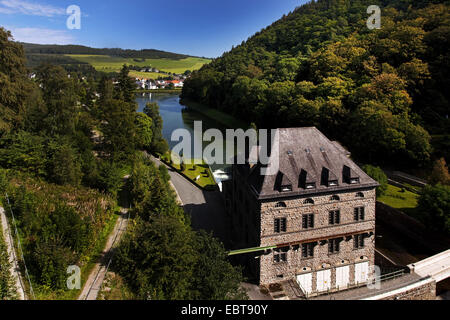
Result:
<point x="150" y="84"/>
<point x="165" y="81"/>
<point x="169" y="82"/>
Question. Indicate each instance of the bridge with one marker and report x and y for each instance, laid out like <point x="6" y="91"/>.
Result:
<point x="437" y="266"/>
<point x="417" y="281"/>
<point x="426" y="272"/>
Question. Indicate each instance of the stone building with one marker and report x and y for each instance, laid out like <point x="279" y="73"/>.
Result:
<point x="315" y="217"/>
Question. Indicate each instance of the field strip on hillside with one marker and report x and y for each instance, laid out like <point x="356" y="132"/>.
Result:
<point x="106" y="63"/>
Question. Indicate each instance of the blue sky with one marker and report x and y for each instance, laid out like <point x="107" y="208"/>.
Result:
<point x="196" y="27"/>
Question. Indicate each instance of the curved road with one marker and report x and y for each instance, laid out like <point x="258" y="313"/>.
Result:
<point x="206" y="208"/>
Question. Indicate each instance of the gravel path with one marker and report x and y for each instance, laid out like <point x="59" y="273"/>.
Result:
<point x="15" y="270"/>
<point x="95" y="280"/>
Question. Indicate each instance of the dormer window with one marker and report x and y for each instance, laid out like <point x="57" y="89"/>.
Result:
<point x="308" y="201"/>
<point x="311" y="185"/>
<point x="328" y="178"/>
<point x="282" y="183"/>
<point x="332" y="183"/>
<point x="349" y="175"/>
<point x="307" y="180"/>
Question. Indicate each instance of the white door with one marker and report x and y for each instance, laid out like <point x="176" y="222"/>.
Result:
<point x="305" y="282"/>
<point x="342" y="276"/>
<point x="323" y="280"/>
<point x="361" y="272"/>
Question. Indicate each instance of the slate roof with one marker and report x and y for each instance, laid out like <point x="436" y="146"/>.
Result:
<point x="306" y="157"/>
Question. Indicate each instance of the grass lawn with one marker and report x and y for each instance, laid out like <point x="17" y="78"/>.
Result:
<point x="146" y="75"/>
<point x="114" y="64"/>
<point x="193" y="171"/>
<point x="405" y="201"/>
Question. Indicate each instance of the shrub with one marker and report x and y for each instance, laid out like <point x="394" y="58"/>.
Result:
<point x="434" y="207"/>
<point x="377" y="174"/>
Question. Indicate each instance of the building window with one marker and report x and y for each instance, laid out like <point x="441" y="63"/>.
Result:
<point x="307" y="250"/>
<point x="354" y="181"/>
<point x="280" y="205"/>
<point x="280" y="225"/>
<point x="280" y="255"/>
<point x="360" y="195"/>
<point x="308" y="221"/>
<point x="335" y="198"/>
<point x="359" y="213"/>
<point x="286" y="188"/>
<point x="308" y="201"/>
<point x="332" y="183"/>
<point x="311" y="185"/>
<point x="358" y="241"/>
<point x="334" y="217"/>
<point x="333" y="245"/>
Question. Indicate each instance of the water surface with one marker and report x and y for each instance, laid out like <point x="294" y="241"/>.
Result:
<point x="176" y="116"/>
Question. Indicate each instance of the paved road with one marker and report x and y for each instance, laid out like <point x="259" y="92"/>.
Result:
<point x="206" y="208"/>
<point x="15" y="270"/>
<point x="95" y="280"/>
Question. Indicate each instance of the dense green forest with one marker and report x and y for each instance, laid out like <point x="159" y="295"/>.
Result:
<point x="66" y="145"/>
<point x="69" y="64"/>
<point x="383" y="93"/>
<point x="31" y="48"/>
<point x="162" y="258"/>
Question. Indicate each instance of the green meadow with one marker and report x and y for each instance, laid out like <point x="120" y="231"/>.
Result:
<point x="114" y="64"/>
<point x="147" y="75"/>
<point x="400" y="198"/>
<point x="199" y="174"/>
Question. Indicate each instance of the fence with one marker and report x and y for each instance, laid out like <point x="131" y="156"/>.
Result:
<point x="334" y="289"/>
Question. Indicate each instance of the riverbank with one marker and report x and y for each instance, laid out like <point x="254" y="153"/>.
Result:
<point x="158" y="91"/>
<point x="226" y="119"/>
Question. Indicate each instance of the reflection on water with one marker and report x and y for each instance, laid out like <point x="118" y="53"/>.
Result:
<point x="176" y="116"/>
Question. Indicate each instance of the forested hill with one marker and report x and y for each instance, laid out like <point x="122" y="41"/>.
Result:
<point x="381" y="92"/>
<point x="31" y="48"/>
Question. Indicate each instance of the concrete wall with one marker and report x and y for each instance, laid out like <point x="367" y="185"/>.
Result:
<point x="424" y="289"/>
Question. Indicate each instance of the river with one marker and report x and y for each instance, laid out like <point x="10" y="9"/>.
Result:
<point x="176" y="116"/>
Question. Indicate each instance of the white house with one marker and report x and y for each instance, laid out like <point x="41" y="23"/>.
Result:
<point x="140" y="83"/>
<point x="151" y="85"/>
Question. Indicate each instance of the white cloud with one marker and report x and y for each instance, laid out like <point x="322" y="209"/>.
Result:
<point x="28" y="8"/>
<point x="42" y="36"/>
<point x="6" y="10"/>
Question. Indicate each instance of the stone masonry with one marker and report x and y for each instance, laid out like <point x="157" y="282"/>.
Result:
<point x="271" y="272"/>
<point x="316" y="176"/>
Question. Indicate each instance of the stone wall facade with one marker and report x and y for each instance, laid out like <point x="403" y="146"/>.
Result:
<point x="295" y="235"/>
<point x="253" y="226"/>
<point x="425" y="291"/>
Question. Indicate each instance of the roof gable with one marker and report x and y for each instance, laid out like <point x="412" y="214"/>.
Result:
<point x="308" y="162"/>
